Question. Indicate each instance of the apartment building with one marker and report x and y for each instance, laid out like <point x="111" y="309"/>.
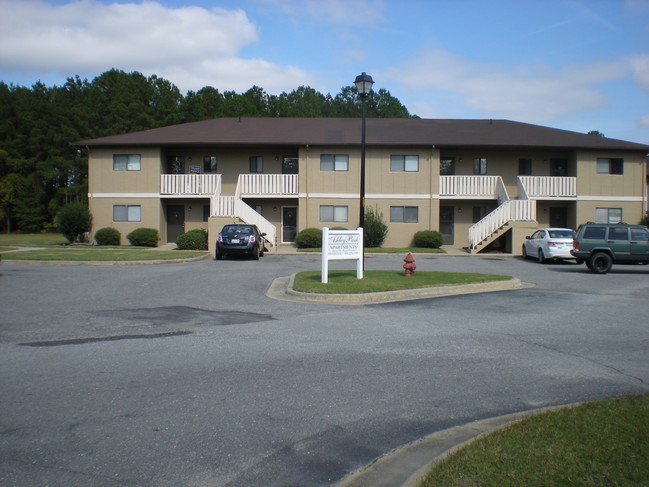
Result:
<point x="484" y="184"/>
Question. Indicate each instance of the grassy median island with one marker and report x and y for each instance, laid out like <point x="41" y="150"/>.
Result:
<point x="101" y="254"/>
<point x="595" y="444"/>
<point x="345" y="282"/>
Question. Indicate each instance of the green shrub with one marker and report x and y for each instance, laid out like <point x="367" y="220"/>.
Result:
<point x="193" y="240"/>
<point x="375" y="230"/>
<point x="73" y="220"/>
<point x="108" y="236"/>
<point x="144" y="237"/>
<point x="309" y="238"/>
<point x="645" y="220"/>
<point x="429" y="239"/>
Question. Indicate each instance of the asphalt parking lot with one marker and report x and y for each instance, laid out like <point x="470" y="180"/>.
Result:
<point x="189" y="375"/>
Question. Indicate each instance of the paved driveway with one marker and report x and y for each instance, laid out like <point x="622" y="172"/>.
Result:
<point x="189" y="375"/>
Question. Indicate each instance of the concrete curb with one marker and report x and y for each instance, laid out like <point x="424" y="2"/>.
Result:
<point x="408" y="465"/>
<point x="282" y="289"/>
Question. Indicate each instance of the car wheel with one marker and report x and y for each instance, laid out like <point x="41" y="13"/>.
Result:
<point x="218" y="254"/>
<point x="255" y="253"/>
<point x="541" y="257"/>
<point x="600" y="263"/>
<point x="524" y="252"/>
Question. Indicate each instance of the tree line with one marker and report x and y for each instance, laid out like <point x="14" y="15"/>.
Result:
<point x="41" y="172"/>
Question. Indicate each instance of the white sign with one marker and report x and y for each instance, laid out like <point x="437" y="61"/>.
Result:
<point x="342" y="245"/>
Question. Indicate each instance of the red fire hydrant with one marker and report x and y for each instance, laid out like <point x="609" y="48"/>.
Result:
<point x="409" y="265"/>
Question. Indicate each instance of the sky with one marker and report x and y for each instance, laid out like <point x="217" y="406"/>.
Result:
<point x="578" y="65"/>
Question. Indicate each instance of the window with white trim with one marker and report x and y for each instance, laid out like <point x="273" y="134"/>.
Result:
<point x="399" y="163"/>
<point x="127" y="213"/>
<point x="608" y="215"/>
<point x="331" y="213"/>
<point x="209" y="164"/>
<point x="334" y="162"/>
<point x="126" y="162"/>
<point x="607" y="165"/>
<point x="404" y="214"/>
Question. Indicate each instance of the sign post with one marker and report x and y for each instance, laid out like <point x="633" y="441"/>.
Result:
<point x="342" y="245"/>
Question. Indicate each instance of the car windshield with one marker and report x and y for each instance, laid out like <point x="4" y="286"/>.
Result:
<point x="562" y="234"/>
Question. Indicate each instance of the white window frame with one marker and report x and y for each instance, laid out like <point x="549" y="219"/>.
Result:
<point x="127" y="162"/>
<point x="334" y="213"/>
<point x="399" y="214"/>
<point x="608" y="215"/>
<point x="605" y="164"/>
<point x="404" y="163"/>
<point x="133" y="213"/>
<point x="479" y="166"/>
<point x="334" y="162"/>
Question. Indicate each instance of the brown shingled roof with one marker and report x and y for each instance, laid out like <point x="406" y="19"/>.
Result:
<point x="347" y="131"/>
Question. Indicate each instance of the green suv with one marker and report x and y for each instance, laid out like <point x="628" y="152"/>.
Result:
<point x="601" y="245"/>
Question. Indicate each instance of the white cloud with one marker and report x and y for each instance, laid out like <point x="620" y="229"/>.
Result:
<point x="532" y="93"/>
<point x="190" y="46"/>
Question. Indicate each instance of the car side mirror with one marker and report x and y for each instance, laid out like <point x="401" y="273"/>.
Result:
<point x="528" y="237"/>
<point x="263" y="234"/>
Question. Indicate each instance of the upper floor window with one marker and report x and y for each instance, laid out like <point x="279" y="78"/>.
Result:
<point x="256" y="164"/>
<point x="127" y="213"/>
<point x="525" y="167"/>
<point x="404" y="214"/>
<point x="480" y="165"/>
<point x="209" y="164"/>
<point x="334" y="162"/>
<point x="447" y="166"/>
<point x="126" y="162"/>
<point x="610" y="166"/>
<point x="329" y="213"/>
<point x="404" y="163"/>
<point x="558" y="167"/>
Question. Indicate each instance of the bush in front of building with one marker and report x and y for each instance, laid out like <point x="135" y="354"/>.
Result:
<point x="143" y="237"/>
<point x="73" y="220"/>
<point x="193" y="240"/>
<point x="309" y="238"/>
<point x="428" y="239"/>
<point x="108" y="236"/>
<point x="375" y="230"/>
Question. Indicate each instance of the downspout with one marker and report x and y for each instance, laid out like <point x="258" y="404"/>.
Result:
<point x="430" y="189"/>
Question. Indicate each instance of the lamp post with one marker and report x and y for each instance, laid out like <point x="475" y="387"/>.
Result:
<point x="363" y="84"/>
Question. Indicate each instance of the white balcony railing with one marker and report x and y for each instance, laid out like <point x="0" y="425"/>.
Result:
<point x="190" y="184"/>
<point x="548" y="186"/>
<point x="251" y="185"/>
<point x="469" y="186"/>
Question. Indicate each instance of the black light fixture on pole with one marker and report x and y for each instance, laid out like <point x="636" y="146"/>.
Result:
<point x="363" y="84"/>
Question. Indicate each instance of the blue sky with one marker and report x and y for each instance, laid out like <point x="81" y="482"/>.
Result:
<point x="573" y="64"/>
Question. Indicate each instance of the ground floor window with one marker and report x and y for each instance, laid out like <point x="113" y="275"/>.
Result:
<point x="127" y="213"/>
<point x="404" y="214"/>
<point x="608" y="215"/>
<point x="333" y="213"/>
<point x="206" y="212"/>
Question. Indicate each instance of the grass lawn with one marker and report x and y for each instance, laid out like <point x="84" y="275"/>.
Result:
<point x="32" y="240"/>
<point x="345" y="282"/>
<point x="101" y="254"/>
<point x="596" y="444"/>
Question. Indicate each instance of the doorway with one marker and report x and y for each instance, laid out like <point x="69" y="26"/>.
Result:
<point x="289" y="224"/>
<point x="175" y="222"/>
<point x="447" y="224"/>
<point x="559" y="217"/>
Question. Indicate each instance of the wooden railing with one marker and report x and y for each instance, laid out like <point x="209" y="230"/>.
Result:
<point x="190" y="184"/>
<point x="547" y="186"/>
<point x="467" y="186"/>
<point x="268" y="185"/>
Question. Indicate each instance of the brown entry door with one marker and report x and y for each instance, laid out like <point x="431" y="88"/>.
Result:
<point x="175" y="222"/>
<point x="447" y="223"/>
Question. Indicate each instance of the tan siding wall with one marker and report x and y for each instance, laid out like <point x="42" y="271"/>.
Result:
<point x="590" y="183"/>
<point x="104" y="180"/>
<point x="151" y="216"/>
